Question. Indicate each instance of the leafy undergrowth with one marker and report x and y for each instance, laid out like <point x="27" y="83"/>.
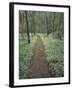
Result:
<point x="54" y="50"/>
<point x="25" y="55"/>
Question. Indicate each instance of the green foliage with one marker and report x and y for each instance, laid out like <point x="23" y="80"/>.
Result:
<point x="25" y="54"/>
<point x="54" y="50"/>
<point x="51" y="26"/>
<point x="43" y="22"/>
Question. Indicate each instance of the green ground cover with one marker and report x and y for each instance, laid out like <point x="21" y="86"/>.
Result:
<point x="25" y="55"/>
<point x="54" y="50"/>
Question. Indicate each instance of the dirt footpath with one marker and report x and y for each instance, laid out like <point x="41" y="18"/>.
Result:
<point x="39" y="66"/>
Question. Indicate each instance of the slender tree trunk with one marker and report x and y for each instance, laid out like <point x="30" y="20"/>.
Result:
<point x="27" y="27"/>
<point x="33" y="24"/>
<point x="47" y="24"/>
<point x="39" y="24"/>
<point x="53" y="22"/>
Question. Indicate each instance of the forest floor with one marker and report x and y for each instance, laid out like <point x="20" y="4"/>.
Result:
<point x="39" y="66"/>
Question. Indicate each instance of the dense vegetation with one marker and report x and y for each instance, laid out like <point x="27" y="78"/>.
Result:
<point x="50" y="27"/>
<point x="25" y="54"/>
<point x="54" y="50"/>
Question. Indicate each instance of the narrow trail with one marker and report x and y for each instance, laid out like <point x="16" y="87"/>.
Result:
<point x="39" y="66"/>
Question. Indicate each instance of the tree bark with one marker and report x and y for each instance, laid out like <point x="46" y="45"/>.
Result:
<point x="27" y="27"/>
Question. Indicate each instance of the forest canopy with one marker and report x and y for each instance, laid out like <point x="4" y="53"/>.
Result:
<point x="32" y="22"/>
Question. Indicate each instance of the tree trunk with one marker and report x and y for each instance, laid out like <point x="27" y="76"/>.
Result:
<point x="27" y="27"/>
<point x="47" y="24"/>
<point x="53" y="23"/>
<point x="33" y="24"/>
